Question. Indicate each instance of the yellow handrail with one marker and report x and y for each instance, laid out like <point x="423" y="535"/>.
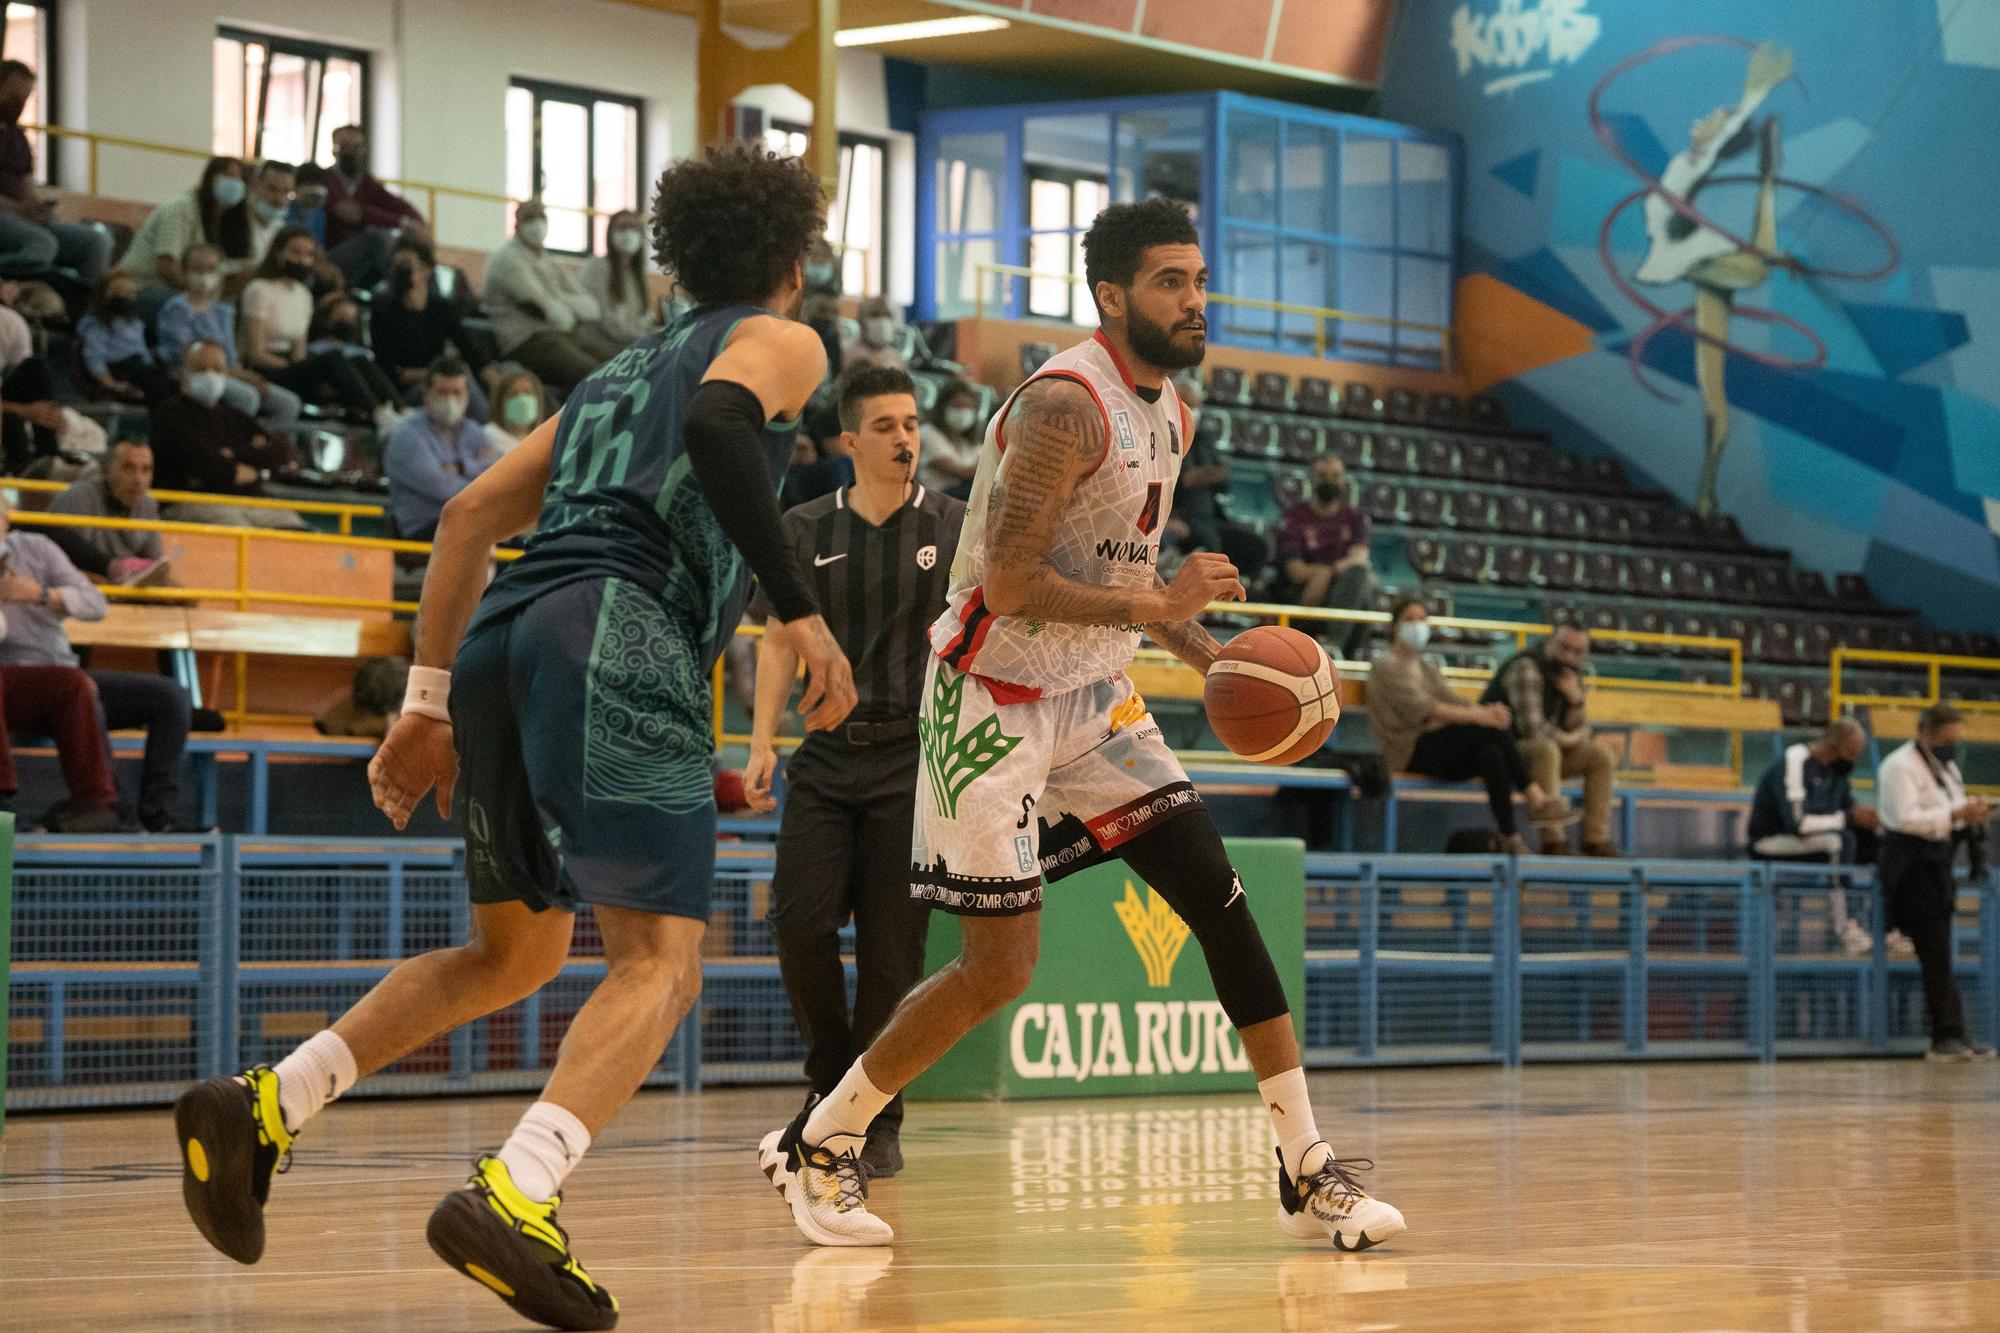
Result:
<point x="1320" y="315"/>
<point x="1935" y="664"/>
<point x="98" y="141"/>
<point x="346" y="511"/>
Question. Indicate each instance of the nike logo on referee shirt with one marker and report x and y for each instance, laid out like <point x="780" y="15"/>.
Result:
<point x="819" y="560"/>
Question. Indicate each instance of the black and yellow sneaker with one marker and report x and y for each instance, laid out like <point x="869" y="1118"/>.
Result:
<point x="508" y="1243"/>
<point x="233" y="1140"/>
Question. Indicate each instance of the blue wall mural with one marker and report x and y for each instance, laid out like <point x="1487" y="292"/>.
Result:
<point x="1779" y="221"/>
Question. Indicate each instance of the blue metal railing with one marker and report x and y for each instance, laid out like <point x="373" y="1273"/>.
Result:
<point x="139" y="966"/>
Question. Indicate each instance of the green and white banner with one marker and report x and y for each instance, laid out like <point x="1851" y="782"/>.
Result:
<point x="1121" y="1002"/>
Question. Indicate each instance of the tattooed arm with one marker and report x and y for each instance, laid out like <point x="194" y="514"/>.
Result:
<point x="1187" y="640"/>
<point x="1055" y="437"/>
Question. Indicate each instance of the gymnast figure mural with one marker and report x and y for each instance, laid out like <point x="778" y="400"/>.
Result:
<point x="1688" y="244"/>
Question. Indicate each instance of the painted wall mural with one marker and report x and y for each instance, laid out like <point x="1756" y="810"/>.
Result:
<point x="1753" y="249"/>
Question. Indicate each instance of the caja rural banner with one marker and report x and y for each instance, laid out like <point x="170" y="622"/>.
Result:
<point x="1121" y="1002"/>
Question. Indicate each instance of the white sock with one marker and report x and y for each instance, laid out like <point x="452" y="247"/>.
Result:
<point x="1291" y="1116"/>
<point x="849" y="1109"/>
<point x="543" y="1148"/>
<point x="312" y="1076"/>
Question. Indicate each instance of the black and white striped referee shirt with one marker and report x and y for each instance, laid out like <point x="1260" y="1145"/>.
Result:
<point x="879" y="589"/>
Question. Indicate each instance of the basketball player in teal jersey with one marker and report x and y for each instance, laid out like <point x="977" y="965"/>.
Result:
<point x="577" y="708"/>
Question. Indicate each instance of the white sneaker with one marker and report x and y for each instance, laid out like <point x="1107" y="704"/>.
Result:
<point x="1900" y="946"/>
<point x="1326" y="1201"/>
<point x="824" y="1184"/>
<point x="1854" y="938"/>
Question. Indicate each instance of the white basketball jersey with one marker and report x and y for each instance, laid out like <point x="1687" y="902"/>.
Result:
<point x="1110" y="536"/>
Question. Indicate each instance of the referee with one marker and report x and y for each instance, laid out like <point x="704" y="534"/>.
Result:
<point x="880" y="554"/>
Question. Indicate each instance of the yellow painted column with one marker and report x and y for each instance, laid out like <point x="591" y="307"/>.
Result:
<point x="808" y="64"/>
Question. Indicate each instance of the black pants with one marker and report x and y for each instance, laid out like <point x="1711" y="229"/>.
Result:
<point x="30" y="382"/>
<point x="356" y="383"/>
<point x="844" y="850"/>
<point x="1920" y="894"/>
<point x="1466" y="750"/>
<point x="160" y="705"/>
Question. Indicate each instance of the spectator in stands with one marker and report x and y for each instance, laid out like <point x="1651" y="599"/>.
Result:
<point x="1424" y="727"/>
<point x="199" y="314"/>
<point x="308" y="208"/>
<point x="1200" y="520"/>
<point x="435" y="454"/>
<point x="277" y="329"/>
<point x="880" y="342"/>
<point x="155" y="255"/>
<point x="363" y="216"/>
<point x="35" y="639"/>
<point x="336" y="328"/>
<point x="45" y="691"/>
<point x="120" y="486"/>
<point x="544" y="317"/>
<point x="202" y="444"/>
<point x="949" y="455"/>
<point x="1323" y="551"/>
<point x="616" y="280"/>
<point x="524" y="404"/>
<point x="1924" y="808"/>
<point x="250" y="229"/>
<point x="411" y="325"/>
<point x="818" y="467"/>
<point x="111" y="339"/>
<point x="1543" y="687"/>
<point x="1804" y="810"/>
<point x="31" y="240"/>
<point x="31" y="420"/>
<point x="822" y="270"/>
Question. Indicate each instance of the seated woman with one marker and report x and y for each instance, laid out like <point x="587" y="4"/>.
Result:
<point x="278" y="328"/>
<point x="199" y="314"/>
<point x="1424" y="727"/>
<point x="117" y="363"/>
<point x="520" y="405"/>
<point x="949" y="456"/>
<point x="617" y="278"/>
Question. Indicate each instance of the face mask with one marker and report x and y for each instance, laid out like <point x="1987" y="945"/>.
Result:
<point x="204" y="285"/>
<point x="627" y="241"/>
<point x="1944" y="754"/>
<point x="228" y="191"/>
<point x="819" y="275"/>
<point x="268" y="212"/>
<point x="1414" y="633"/>
<point x="446" y="412"/>
<point x="1326" y="492"/>
<point x="958" y="420"/>
<point x="300" y="272"/>
<point x="534" y="231"/>
<point x="120" y="307"/>
<point x="1842" y="766"/>
<point x="520" y="410"/>
<point x="879" y="331"/>
<point x="206" y="386"/>
<point x="349" y="161"/>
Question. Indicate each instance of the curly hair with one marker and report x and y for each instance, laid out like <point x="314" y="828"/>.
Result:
<point x="730" y="224"/>
<point x="1117" y="241"/>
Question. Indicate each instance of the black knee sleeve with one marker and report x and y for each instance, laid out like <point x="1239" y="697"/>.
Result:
<point x="1183" y="859"/>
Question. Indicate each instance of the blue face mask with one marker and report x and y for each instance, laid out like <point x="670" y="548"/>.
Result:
<point x="1414" y="633"/>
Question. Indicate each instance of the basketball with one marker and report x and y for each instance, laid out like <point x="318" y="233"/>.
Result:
<point x="1272" y="696"/>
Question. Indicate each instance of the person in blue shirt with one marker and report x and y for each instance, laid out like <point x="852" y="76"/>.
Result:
<point x="435" y="454"/>
<point x="200" y="315"/>
<point x="308" y="208"/>
<point x="1804" y="810"/>
<point x="116" y="360"/>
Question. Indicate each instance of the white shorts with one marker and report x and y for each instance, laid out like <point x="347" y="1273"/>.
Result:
<point x="1013" y="792"/>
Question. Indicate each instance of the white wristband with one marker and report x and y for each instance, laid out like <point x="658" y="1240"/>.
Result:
<point x="428" y="693"/>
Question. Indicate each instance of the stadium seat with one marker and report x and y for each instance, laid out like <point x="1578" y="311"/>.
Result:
<point x="1425" y="554"/>
<point x="1300" y="441"/>
<point x="1649" y="622"/>
<point x="1603" y="572"/>
<point x="1465" y="561"/>
<point x="1480" y="461"/>
<point x="1394" y="453"/>
<point x="1272" y="391"/>
<point x="1401" y="405"/>
<point x="1606" y="522"/>
<point x="1816" y="641"/>
<point x="1225" y="385"/>
<point x="1809" y="589"/>
<point x="1557" y="570"/>
<point x="1513" y="565"/>
<point x="1853" y="590"/>
<point x="1602" y="620"/>
<point x="1516" y="514"/>
<point x="1777" y="640"/>
<point x="1694" y="625"/>
<point x="1352" y="446"/>
<point x="1486" y="411"/>
<point x="1689" y="580"/>
<point x="1729" y="581"/>
<point x="1472" y="511"/>
<point x="1316" y="397"/>
<point x="1605" y="473"/>
<point x="1562" y="519"/>
<point x="1256" y="436"/>
<point x="1771" y="583"/>
<point x="1360" y="400"/>
<point x="1649" y="576"/>
<point x="1383" y="502"/>
<point x="1524" y="463"/>
<point x="1982" y="644"/>
<point x="1442" y="407"/>
<point x="1287" y="488"/>
<point x="1427" y="507"/>
<point x="1436" y="457"/>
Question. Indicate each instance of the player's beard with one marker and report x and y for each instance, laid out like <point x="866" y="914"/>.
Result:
<point x="1154" y="343"/>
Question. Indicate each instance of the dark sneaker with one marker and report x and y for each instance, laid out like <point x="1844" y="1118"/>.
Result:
<point x="883" y="1157"/>
<point x="233" y="1140"/>
<point x="513" y="1246"/>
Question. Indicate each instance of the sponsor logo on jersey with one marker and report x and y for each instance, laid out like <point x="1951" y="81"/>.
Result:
<point x="926" y="557"/>
<point x="954" y="758"/>
<point x="1127" y="552"/>
<point x="1123" y="420"/>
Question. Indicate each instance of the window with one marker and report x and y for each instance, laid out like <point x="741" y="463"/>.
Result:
<point x="856" y="218"/>
<point x="579" y="151"/>
<point x="1061" y="208"/>
<point x="27" y="41"/>
<point x="283" y="99"/>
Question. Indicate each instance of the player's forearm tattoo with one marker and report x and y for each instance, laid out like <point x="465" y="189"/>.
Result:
<point x="1054" y="437"/>
<point x="1186" y="640"/>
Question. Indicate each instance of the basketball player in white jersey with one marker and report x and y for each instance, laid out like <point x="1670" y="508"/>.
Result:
<point x="1040" y="759"/>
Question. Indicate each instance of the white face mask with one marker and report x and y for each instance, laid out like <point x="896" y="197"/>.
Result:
<point x="534" y="231"/>
<point x="958" y="420"/>
<point x="204" y="285"/>
<point x="445" y="411"/>
<point x="879" y="330"/>
<point x="1414" y="633"/>
<point x="627" y="241"/>
<point x="206" y="386"/>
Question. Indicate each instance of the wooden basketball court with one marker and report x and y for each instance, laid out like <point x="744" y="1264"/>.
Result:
<point x="1802" y="1196"/>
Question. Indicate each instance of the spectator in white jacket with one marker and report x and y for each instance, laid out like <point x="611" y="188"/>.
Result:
<point x="541" y="313"/>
